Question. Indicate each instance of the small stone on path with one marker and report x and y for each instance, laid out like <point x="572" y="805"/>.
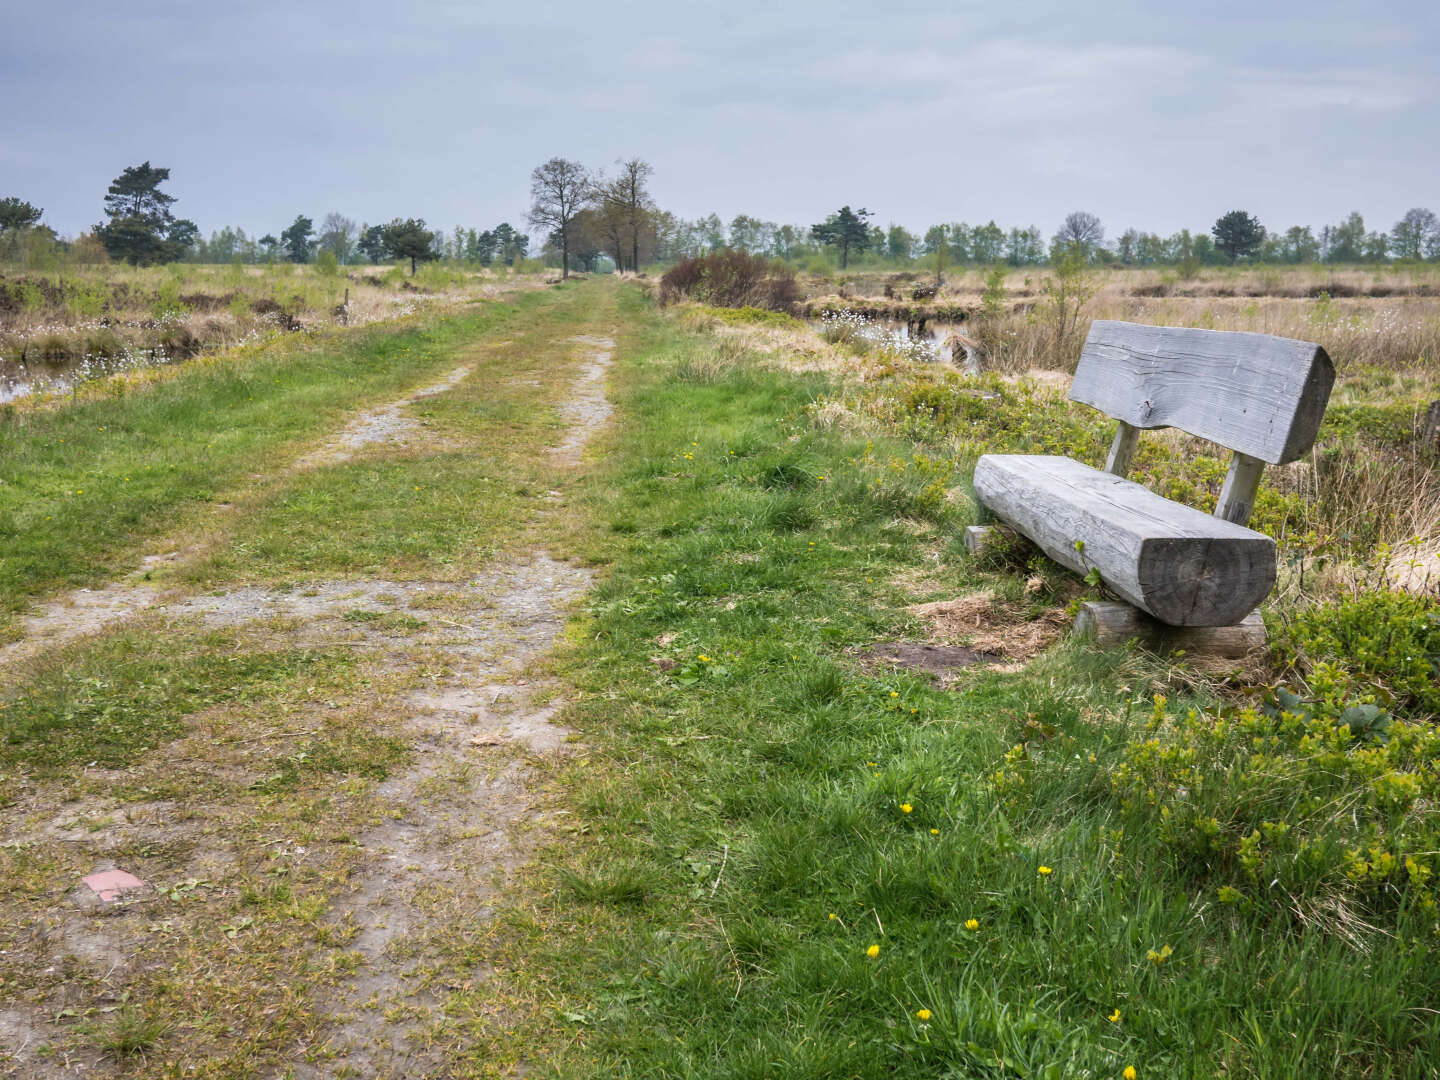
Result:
<point x="111" y="885"/>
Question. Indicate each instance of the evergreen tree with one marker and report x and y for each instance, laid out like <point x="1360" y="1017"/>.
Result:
<point x="296" y="239"/>
<point x="16" y="214"/>
<point x="845" y="229"/>
<point x="142" y="229"/>
<point x="372" y="243"/>
<point x="1238" y="234"/>
<point x="409" y="239"/>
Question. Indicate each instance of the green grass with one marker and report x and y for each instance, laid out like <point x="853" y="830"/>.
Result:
<point x="745" y="835"/>
<point x="81" y="485"/>
<point x="112" y="702"/>
<point x="751" y="808"/>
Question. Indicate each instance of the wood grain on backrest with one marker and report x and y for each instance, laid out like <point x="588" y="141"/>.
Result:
<point x="1256" y="394"/>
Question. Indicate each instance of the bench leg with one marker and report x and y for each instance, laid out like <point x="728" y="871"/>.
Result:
<point x="979" y="537"/>
<point x="1109" y="623"/>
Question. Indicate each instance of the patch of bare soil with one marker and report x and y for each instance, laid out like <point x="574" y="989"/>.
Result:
<point x="455" y="824"/>
<point x="942" y="662"/>
<point x="77" y="613"/>
<point x="384" y="424"/>
<point x="989" y="625"/>
<point x="588" y="407"/>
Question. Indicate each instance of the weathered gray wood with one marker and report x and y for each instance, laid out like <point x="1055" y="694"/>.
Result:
<point x="1261" y="395"/>
<point x="980" y="537"/>
<point x="1122" y="450"/>
<point x="1110" y="623"/>
<point x="1430" y="427"/>
<point x="1184" y="567"/>
<point x="1237" y="496"/>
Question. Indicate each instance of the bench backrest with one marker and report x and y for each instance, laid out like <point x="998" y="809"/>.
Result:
<point x="1259" y="395"/>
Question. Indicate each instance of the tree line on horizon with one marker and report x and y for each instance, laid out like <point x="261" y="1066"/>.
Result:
<point x="590" y="220"/>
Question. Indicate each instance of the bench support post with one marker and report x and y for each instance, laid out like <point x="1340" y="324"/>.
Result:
<point x="1237" y="497"/>
<point x="980" y="537"/>
<point x="1110" y="624"/>
<point x="1122" y="450"/>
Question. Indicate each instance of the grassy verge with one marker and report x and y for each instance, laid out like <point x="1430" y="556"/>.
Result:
<point x="789" y="862"/>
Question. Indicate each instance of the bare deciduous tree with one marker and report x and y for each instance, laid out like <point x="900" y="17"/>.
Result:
<point x="338" y="234"/>
<point x="1081" y="231"/>
<point x="631" y="205"/>
<point x="559" y="190"/>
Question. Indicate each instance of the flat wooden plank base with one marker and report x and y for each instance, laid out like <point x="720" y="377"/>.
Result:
<point x="1110" y="623"/>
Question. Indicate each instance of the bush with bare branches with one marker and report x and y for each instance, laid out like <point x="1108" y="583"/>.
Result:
<point x="732" y="279"/>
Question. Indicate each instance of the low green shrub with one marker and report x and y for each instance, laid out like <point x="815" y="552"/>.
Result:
<point x="1382" y="646"/>
<point x="751" y="316"/>
<point x="1308" y="808"/>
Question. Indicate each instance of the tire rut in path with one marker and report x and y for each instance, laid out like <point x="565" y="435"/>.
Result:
<point x="463" y="818"/>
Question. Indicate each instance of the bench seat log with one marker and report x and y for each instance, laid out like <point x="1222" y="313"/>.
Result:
<point x="1182" y="566"/>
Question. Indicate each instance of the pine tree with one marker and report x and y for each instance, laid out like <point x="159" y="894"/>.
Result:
<point x="844" y="229"/>
<point x="1238" y="234"/>
<point x="141" y="228"/>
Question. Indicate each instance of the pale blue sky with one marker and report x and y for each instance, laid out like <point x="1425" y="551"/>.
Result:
<point x="1298" y="112"/>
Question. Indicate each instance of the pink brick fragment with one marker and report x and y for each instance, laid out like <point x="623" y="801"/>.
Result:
<point x="108" y="884"/>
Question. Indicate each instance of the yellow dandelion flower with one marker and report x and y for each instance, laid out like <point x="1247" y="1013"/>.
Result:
<point x="922" y="1015"/>
<point x="972" y="924"/>
<point x="703" y="658"/>
<point x="833" y="916"/>
<point x="1114" y="1017"/>
<point x="894" y="693"/>
<point x="934" y="832"/>
<point x="1129" y="1073"/>
<point x="873" y="951"/>
<point x="1045" y="871"/>
<point x="905" y="808"/>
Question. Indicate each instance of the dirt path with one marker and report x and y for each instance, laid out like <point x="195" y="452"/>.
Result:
<point x="446" y="830"/>
<point x="87" y="611"/>
<point x="458" y="830"/>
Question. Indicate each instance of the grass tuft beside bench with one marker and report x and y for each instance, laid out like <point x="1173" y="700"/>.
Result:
<point x="1260" y="396"/>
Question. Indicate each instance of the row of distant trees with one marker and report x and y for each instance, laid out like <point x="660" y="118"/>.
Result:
<point x="1236" y="236"/>
<point x="585" y="216"/>
<point x="340" y="238"/>
<point x="141" y="228"/>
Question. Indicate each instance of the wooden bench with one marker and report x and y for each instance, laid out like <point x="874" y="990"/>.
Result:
<point x="1261" y="397"/>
